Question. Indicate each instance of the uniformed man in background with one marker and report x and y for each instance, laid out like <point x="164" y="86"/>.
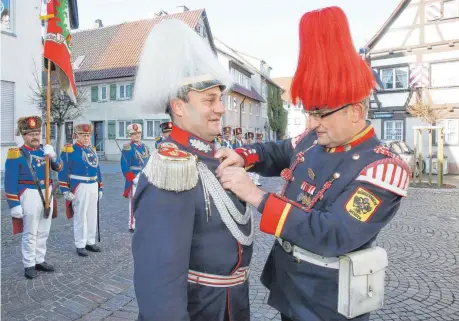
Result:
<point x="166" y="128"/>
<point x="218" y="141"/>
<point x="192" y="245"/>
<point x="227" y="142"/>
<point x="81" y="183"/>
<point x="259" y="138"/>
<point x="237" y="141"/>
<point x="134" y="157"/>
<point x="341" y="185"/>
<point x="25" y="191"/>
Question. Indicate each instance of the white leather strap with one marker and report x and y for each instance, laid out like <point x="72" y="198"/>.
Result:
<point x="305" y="255"/>
<point x="84" y="178"/>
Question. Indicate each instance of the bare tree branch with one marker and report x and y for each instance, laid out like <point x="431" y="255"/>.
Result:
<point x="426" y="112"/>
<point x="63" y="109"/>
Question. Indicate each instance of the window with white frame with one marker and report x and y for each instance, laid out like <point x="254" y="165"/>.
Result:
<point x="235" y="104"/>
<point x="229" y="102"/>
<point x="444" y="74"/>
<point x="124" y="91"/>
<point x="7" y="111"/>
<point x="450" y="131"/>
<point x="243" y="108"/>
<point x="393" y="130"/>
<point x="247" y="83"/>
<point x="121" y="133"/>
<point x="7" y="15"/>
<point x="103" y="93"/>
<point x="394" y="78"/>
<point x="250" y="108"/>
<point x="257" y="108"/>
<point x="152" y="129"/>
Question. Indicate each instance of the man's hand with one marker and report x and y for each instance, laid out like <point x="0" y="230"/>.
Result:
<point x="230" y="158"/>
<point x="69" y="196"/>
<point x="49" y="151"/>
<point x="17" y="212"/>
<point x="238" y="181"/>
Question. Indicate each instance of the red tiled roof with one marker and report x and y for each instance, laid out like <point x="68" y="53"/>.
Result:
<point x="114" y="51"/>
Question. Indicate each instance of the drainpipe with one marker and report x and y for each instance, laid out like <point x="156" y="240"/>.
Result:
<point x="240" y="112"/>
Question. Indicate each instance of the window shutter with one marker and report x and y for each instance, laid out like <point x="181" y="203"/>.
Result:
<point x="94" y="93"/>
<point x="139" y="121"/>
<point x="7" y="111"/>
<point x="111" y="129"/>
<point x="113" y="92"/>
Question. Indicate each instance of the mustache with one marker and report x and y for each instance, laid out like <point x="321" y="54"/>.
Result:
<point x="35" y="140"/>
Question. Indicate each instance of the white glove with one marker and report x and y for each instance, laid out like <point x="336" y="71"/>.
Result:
<point x="100" y="194"/>
<point x="17" y="211"/>
<point x="69" y="196"/>
<point x="49" y="151"/>
<point x="136" y="179"/>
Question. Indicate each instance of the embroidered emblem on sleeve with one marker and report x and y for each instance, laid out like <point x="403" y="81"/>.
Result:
<point x="362" y="204"/>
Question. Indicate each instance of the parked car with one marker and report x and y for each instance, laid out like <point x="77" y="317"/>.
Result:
<point x="407" y="154"/>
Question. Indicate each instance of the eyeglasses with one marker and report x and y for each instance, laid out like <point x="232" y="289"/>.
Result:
<point x="316" y="114"/>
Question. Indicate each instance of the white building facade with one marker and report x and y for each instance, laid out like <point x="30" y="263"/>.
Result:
<point x="418" y="49"/>
<point x="296" y="123"/>
<point x="21" y="59"/>
<point x="243" y="103"/>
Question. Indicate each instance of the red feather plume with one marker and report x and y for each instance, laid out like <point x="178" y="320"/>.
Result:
<point x="330" y="72"/>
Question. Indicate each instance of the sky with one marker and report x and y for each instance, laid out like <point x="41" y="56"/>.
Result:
<point x="266" y="29"/>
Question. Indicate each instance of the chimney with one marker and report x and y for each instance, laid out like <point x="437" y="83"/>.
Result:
<point x="160" y="13"/>
<point x="184" y="8"/>
<point x="98" y="23"/>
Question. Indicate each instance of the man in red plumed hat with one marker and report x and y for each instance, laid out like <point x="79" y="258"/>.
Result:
<point x="341" y="185"/>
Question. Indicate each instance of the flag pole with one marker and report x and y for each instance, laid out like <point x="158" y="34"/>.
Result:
<point x="48" y="134"/>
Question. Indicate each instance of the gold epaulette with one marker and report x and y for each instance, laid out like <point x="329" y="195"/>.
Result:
<point x="171" y="169"/>
<point x="127" y="146"/>
<point x="94" y="148"/>
<point x="157" y="138"/>
<point x="68" y="148"/>
<point x="13" y="153"/>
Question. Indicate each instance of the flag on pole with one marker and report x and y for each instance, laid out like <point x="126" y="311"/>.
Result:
<point x="58" y="42"/>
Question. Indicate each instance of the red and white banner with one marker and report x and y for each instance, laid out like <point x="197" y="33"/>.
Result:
<point x="419" y="75"/>
<point x="58" y="42"/>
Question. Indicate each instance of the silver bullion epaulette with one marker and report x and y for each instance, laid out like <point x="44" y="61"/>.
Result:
<point x="171" y="169"/>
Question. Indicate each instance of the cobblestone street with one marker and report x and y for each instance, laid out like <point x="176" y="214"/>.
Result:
<point x="422" y="278"/>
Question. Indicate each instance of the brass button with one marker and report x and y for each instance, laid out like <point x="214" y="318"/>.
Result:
<point x="336" y="175"/>
<point x="355" y="156"/>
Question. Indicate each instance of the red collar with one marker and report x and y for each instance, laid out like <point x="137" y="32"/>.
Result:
<point x="82" y="146"/>
<point x="30" y="148"/>
<point x="358" y="139"/>
<point x="192" y="142"/>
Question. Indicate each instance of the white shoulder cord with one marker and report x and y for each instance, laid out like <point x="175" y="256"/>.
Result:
<point x="225" y="206"/>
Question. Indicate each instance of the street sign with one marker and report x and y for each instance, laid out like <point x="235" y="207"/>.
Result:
<point x="383" y="115"/>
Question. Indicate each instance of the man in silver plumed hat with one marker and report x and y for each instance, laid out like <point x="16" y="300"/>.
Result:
<point x="192" y="244"/>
